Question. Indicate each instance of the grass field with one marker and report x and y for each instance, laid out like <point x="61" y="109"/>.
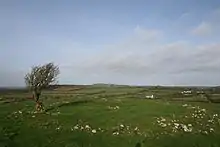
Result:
<point x="110" y="116"/>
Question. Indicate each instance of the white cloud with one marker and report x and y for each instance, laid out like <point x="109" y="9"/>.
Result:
<point x="216" y="13"/>
<point x="184" y="15"/>
<point x="203" y="29"/>
<point x="141" y="58"/>
<point x="168" y="58"/>
<point x="143" y="62"/>
<point x="144" y="34"/>
<point x="210" y="27"/>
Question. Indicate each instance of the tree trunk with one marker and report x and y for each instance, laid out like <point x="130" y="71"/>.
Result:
<point x="39" y="104"/>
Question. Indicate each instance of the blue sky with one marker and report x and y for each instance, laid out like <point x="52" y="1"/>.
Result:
<point x="141" y="42"/>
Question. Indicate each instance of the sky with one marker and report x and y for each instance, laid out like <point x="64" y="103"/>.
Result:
<point x="135" y="42"/>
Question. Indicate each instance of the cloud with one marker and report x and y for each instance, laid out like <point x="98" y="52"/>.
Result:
<point x="140" y="43"/>
<point x="210" y="27"/>
<point x="143" y="34"/>
<point x="203" y="29"/>
<point x="171" y="58"/>
<point x="141" y="62"/>
<point x="184" y="15"/>
<point x="216" y="13"/>
<point x="143" y="58"/>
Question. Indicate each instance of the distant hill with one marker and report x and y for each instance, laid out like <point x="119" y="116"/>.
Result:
<point x="66" y="87"/>
<point x="13" y="89"/>
<point x="108" y="85"/>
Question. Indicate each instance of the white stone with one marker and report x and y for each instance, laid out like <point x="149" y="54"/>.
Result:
<point x="94" y="131"/>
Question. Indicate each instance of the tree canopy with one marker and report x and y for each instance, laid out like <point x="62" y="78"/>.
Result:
<point x="41" y="77"/>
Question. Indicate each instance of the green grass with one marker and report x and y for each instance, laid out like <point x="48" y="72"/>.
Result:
<point x="92" y="106"/>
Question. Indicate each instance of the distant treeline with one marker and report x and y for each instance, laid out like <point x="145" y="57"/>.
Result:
<point x="52" y="87"/>
<point x="13" y="90"/>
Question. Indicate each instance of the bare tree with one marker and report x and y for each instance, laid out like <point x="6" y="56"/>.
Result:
<point x="39" y="78"/>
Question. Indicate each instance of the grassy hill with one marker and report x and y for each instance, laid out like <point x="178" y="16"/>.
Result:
<point x="110" y="116"/>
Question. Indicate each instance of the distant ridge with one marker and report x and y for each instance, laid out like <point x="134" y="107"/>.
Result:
<point x="58" y="86"/>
